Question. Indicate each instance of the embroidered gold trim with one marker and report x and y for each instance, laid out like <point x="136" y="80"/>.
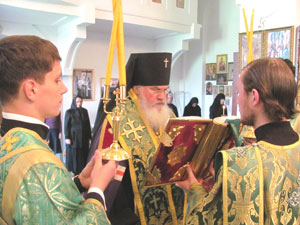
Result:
<point x="285" y="147"/>
<point x="20" y="150"/>
<point x="23" y="149"/>
<point x="261" y="185"/>
<point x="136" y="192"/>
<point x="31" y="132"/>
<point x="171" y="204"/>
<point x="2" y="222"/>
<point x="137" y="197"/>
<point x="96" y="202"/>
<point x="225" y="188"/>
<point x="294" y="199"/>
<point x="184" y="207"/>
<point x="9" y="141"/>
<point x="16" y="174"/>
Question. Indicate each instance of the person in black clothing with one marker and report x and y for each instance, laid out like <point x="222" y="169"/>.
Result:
<point x="218" y="107"/>
<point x="54" y="134"/>
<point x="192" y="109"/>
<point x="170" y="104"/>
<point x="77" y="134"/>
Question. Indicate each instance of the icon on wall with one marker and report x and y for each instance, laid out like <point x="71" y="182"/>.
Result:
<point x="83" y="83"/>
<point x="222" y="63"/>
<point x="211" y="71"/>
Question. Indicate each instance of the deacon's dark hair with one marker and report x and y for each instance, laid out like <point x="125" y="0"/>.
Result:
<point x="290" y="64"/>
<point x="23" y="57"/>
<point x="276" y="85"/>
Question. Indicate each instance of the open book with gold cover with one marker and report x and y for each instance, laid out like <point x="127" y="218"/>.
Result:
<point x="192" y="140"/>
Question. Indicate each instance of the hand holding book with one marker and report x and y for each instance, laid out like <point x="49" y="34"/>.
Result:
<point x="194" y="140"/>
<point x="206" y="182"/>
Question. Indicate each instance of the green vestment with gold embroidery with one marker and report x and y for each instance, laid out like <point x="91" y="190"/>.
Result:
<point x="36" y="188"/>
<point x="160" y="205"/>
<point x="256" y="184"/>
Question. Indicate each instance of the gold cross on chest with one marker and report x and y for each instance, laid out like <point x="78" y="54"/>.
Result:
<point x="166" y="62"/>
<point x="134" y="128"/>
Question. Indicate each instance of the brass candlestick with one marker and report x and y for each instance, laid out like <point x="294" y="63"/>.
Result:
<point x="115" y="152"/>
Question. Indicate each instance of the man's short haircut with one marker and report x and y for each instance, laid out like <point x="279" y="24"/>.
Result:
<point x="23" y="57"/>
<point x="276" y="85"/>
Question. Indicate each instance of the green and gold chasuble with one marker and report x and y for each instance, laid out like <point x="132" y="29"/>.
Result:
<point x="258" y="184"/>
<point x="160" y="205"/>
<point x="36" y="188"/>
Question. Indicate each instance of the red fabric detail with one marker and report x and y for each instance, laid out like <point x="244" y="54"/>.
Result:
<point x="108" y="137"/>
<point x="121" y="173"/>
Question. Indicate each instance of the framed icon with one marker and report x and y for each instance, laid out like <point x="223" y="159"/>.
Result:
<point x="257" y="46"/>
<point x="222" y="64"/>
<point x="211" y="71"/>
<point x="279" y="43"/>
<point x="83" y="83"/>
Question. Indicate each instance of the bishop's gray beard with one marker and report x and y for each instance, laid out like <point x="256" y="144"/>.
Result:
<point x="157" y="119"/>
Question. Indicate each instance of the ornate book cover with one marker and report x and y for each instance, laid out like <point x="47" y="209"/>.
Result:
<point x="188" y="140"/>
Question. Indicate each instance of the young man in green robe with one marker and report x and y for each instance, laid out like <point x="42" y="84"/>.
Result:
<point x="35" y="186"/>
<point x="258" y="183"/>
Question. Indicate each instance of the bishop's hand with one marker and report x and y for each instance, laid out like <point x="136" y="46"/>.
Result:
<point x="186" y="184"/>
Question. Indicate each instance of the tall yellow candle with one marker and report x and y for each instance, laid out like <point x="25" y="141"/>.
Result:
<point x="120" y="47"/>
<point x="118" y="34"/>
<point x="246" y="23"/>
<point x="112" y="44"/>
<point x="249" y="35"/>
<point x="250" y="41"/>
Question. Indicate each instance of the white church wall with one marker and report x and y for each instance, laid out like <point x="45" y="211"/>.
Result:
<point x="164" y="15"/>
<point x="268" y="14"/>
<point x="219" y="35"/>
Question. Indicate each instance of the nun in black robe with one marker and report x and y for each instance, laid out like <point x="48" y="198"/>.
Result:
<point x="78" y="129"/>
<point x="192" y="109"/>
<point x="216" y="109"/>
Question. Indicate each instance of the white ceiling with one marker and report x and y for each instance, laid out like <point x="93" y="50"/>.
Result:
<point x="130" y="30"/>
<point x="42" y="18"/>
<point x="28" y="16"/>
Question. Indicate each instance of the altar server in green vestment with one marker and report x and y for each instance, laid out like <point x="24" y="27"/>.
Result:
<point x="35" y="186"/>
<point x="258" y="183"/>
<point x="147" y="112"/>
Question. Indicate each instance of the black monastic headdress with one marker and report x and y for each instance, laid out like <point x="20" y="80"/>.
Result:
<point x="148" y="69"/>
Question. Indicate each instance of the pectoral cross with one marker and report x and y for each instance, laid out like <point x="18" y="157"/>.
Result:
<point x="166" y="62"/>
<point x="134" y="127"/>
